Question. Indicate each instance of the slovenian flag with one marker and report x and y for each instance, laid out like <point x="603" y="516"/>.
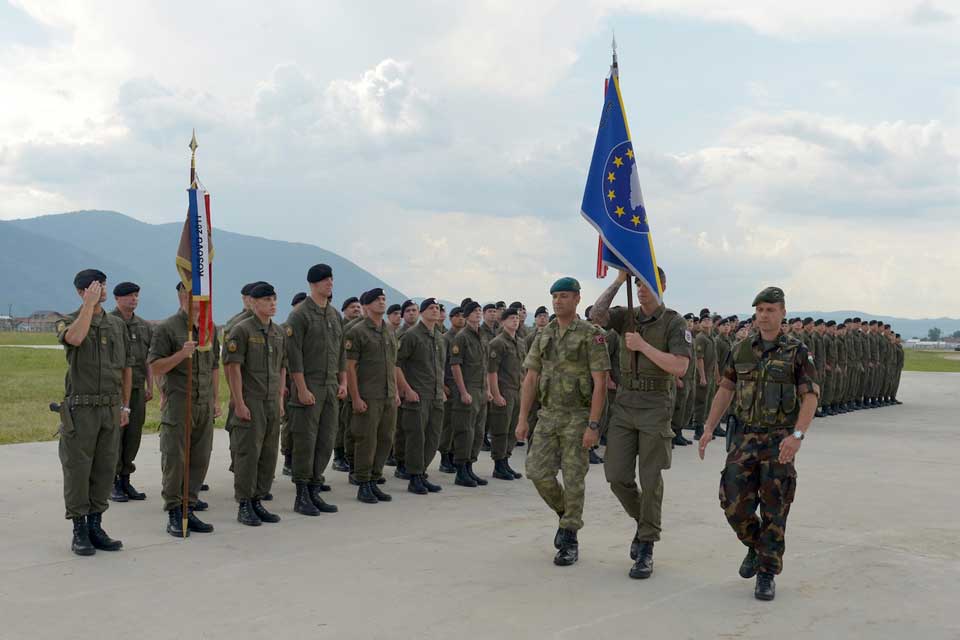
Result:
<point x="194" y="262"/>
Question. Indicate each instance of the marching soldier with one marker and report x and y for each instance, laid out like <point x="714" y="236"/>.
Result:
<point x="773" y="381"/>
<point x="127" y="295"/>
<point x="256" y="367"/>
<point x="96" y="406"/>
<point x="171" y="353"/>
<point x="706" y="354"/>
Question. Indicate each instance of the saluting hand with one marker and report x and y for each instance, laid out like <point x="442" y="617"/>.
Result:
<point x="91" y="295"/>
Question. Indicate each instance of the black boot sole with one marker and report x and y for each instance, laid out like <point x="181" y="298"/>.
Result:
<point x="177" y="534"/>
<point x="83" y="551"/>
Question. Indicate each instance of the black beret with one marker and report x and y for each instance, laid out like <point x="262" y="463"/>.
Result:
<point x="506" y="313"/>
<point x="349" y="301"/>
<point x="539" y="311"/>
<point x="406" y="304"/>
<point x="371" y="296"/>
<point x="689" y="316"/>
<point x="442" y="308"/>
<point x="842" y="325"/>
<point x="470" y="307"/>
<point x="319" y="273"/>
<point x="857" y="320"/>
<point x="819" y="322"/>
<point x="872" y="323"/>
<point x="516" y="305"/>
<point x="262" y="290"/>
<point x="298" y="298"/>
<point x="784" y="321"/>
<point x="501" y="304"/>
<point x="426" y="304"/>
<point x="87" y="277"/>
<point x="456" y="311"/>
<point x="831" y="323"/>
<point x="488" y="307"/>
<point x="247" y="288"/>
<point x="807" y="320"/>
<point x="897" y="335"/>
<point x="886" y="326"/>
<point x="394" y="308"/>
<point x="771" y="295"/>
<point x="463" y="303"/>
<point x="125" y="289"/>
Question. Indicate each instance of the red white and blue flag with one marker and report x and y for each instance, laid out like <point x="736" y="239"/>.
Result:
<point x="195" y="262"/>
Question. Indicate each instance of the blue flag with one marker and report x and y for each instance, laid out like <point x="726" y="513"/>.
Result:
<point x="612" y="199"/>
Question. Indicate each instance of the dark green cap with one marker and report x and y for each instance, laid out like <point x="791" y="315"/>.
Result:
<point x="565" y="284"/>
<point x="771" y="295"/>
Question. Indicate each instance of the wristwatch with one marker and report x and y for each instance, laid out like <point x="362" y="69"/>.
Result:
<point x="798" y="434"/>
<point x="593" y="424"/>
<point x="125" y="408"/>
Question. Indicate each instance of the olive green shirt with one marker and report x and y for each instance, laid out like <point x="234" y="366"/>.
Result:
<point x="506" y="360"/>
<point x="704" y="348"/>
<point x="422" y="356"/>
<point x="470" y="351"/>
<point x="139" y="334"/>
<point x="260" y="350"/>
<point x="95" y="367"/>
<point x="315" y="343"/>
<point x="168" y="338"/>
<point x="374" y="349"/>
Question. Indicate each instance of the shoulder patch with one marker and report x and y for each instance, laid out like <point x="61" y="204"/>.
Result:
<point x="61" y="326"/>
<point x="688" y="336"/>
<point x="455" y="350"/>
<point x="348" y="344"/>
<point x="600" y="339"/>
<point x="289" y="332"/>
<point x="493" y="353"/>
<point x="232" y="346"/>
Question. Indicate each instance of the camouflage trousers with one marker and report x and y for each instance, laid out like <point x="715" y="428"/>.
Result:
<point x="754" y="478"/>
<point x="559" y="448"/>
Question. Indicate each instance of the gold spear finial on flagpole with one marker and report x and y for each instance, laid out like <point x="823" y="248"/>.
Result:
<point x="193" y="159"/>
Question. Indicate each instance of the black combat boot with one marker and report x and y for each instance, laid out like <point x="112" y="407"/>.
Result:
<point x="697" y="431"/>
<point x="569" y="551"/>
<point x="246" y="515"/>
<point x="130" y="490"/>
<point x="262" y="513"/>
<point x="197" y="525"/>
<point x="117" y="494"/>
<point x="819" y="413"/>
<point x="267" y="496"/>
<point x="99" y="537"/>
<point x="340" y="460"/>
<point x="204" y="487"/>
<point x="322" y="505"/>
<point x="416" y="485"/>
<point x="201" y="505"/>
<point x="643" y="567"/>
<point x="480" y="481"/>
<point x="766" y="588"/>
<point x="381" y="496"/>
<point x="81" y="538"/>
<point x="391" y="460"/>
<point x="516" y="474"/>
<point x="365" y="493"/>
<point x="499" y="472"/>
<point x="679" y="441"/>
<point x="719" y="432"/>
<point x="288" y="464"/>
<point x="464" y="479"/>
<point x="352" y="479"/>
<point x="446" y="463"/>
<point x="302" y="504"/>
<point x="748" y="568"/>
<point x="401" y="472"/>
<point x="594" y="458"/>
<point x="175" y="523"/>
<point x="431" y="487"/>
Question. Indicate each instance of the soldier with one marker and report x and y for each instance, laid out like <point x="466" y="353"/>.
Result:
<point x="468" y="364"/>
<point x="457" y="323"/>
<point x="410" y="313"/>
<point x="775" y="383"/>
<point x="286" y="444"/>
<point x="682" y="407"/>
<point x="397" y="457"/>
<point x="567" y="367"/>
<point x="127" y="295"/>
<point x="372" y="384"/>
<point x="316" y="367"/>
<point x="171" y="353"/>
<point x="394" y="317"/>
<point x="504" y="377"/>
<point x="655" y="349"/>
<point x="706" y="354"/>
<point x="899" y="367"/>
<point x="613" y="381"/>
<point x="350" y="310"/>
<point x="522" y="330"/>
<point x="256" y="368"/>
<point x="420" y="370"/>
<point x="540" y="320"/>
<point x="240" y="316"/>
<point x="94" y="410"/>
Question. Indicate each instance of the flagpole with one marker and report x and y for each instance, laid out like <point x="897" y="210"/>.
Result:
<point x="188" y="419"/>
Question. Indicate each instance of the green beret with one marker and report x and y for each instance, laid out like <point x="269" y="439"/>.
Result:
<point x="565" y="284"/>
<point x="771" y="295"/>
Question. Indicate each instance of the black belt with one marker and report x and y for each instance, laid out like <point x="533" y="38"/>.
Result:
<point x="93" y="400"/>
<point x="646" y="384"/>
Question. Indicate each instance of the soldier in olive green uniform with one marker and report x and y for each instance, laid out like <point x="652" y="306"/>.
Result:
<point x="256" y="363"/>
<point x="567" y="367"/>
<point x="655" y="348"/>
<point x="242" y="315"/>
<point x="127" y="295"/>
<point x="683" y="400"/>
<point x="420" y="361"/>
<point x="706" y="354"/>
<point x="774" y="381"/>
<point x="457" y="323"/>
<point x="372" y="382"/>
<point x="94" y="410"/>
<point x="316" y="366"/>
<point x="468" y="363"/>
<point x="351" y="310"/>
<point x="540" y="320"/>
<point x="172" y="352"/>
<point x="900" y="358"/>
<point x="397" y="458"/>
<point x="504" y="377"/>
<point x="286" y="441"/>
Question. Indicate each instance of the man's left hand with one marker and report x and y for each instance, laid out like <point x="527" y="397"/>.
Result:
<point x="789" y="447"/>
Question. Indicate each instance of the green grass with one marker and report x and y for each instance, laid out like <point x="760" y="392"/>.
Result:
<point x="30" y="379"/>
<point x="19" y="337"/>
<point x="931" y="361"/>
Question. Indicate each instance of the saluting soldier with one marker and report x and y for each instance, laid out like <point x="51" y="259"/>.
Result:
<point x="316" y="366"/>
<point x="96" y="406"/>
<point x="504" y="378"/>
<point x="171" y="353"/>
<point x="420" y="369"/>
<point x="127" y="296"/>
<point x="567" y="368"/>
<point x="372" y="383"/>
<point x="468" y="363"/>
<point x="256" y="368"/>
<point x="773" y="381"/>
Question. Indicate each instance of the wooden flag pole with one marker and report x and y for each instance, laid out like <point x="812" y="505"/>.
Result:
<point x="188" y="419"/>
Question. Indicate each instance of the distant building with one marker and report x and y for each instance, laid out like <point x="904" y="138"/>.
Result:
<point x="37" y="322"/>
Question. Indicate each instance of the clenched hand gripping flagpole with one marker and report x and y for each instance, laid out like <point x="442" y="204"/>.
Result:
<point x="188" y="422"/>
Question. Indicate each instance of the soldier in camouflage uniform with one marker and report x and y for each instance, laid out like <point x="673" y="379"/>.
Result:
<point x="774" y="381"/>
<point x="566" y="369"/>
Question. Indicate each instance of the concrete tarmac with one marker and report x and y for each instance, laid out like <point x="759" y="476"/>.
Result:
<point x="873" y="551"/>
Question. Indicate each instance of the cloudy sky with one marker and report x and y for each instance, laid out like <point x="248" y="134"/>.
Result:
<point x="444" y="146"/>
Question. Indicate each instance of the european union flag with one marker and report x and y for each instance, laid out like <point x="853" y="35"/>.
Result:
<point x="612" y="200"/>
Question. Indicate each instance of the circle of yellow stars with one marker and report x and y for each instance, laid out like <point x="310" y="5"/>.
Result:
<point x="611" y="194"/>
